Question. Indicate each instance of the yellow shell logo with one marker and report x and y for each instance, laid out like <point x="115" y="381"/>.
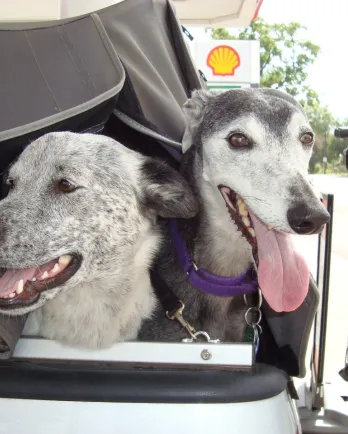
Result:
<point x="223" y="60"/>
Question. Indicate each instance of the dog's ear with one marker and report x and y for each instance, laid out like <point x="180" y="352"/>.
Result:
<point x="194" y="110"/>
<point x="166" y="192"/>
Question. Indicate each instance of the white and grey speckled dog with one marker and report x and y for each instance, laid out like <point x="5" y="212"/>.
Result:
<point x="78" y="233"/>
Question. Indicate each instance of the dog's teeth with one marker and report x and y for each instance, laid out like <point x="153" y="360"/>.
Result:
<point x="252" y="232"/>
<point x="246" y="221"/>
<point x="44" y="275"/>
<point x="64" y="260"/>
<point x="55" y="269"/>
<point x="13" y="294"/>
<point x="20" y="286"/>
<point x="33" y="279"/>
<point x="270" y="228"/>
<point x="242" y="210"/>
<point x="240" y="201"/>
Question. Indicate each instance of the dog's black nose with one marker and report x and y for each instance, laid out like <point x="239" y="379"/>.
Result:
<point x="306" y="221"/>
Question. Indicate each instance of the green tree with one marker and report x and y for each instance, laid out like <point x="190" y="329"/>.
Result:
<point x="284" y="56"/>
<point x="322" y="122"/>
<point x="326" y="144"/>
<point x="335" y="148"/>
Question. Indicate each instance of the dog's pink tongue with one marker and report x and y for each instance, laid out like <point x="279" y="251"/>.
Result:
<point x="282" y="272"/>
<point x="9" y="281"/>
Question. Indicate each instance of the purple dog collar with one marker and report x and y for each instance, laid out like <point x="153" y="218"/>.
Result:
<point x="245" y="283"/>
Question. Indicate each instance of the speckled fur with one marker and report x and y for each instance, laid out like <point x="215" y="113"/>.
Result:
<point x="111" y="220"/>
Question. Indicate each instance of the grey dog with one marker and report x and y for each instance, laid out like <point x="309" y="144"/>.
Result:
<point x="246" y="154"/>
<point x="78" y="233"/>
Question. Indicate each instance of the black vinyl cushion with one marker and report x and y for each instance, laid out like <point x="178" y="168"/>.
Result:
<point x="74" y="382"/>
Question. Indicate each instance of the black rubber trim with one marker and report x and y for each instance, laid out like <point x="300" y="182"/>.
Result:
<point x="72" y="382"/>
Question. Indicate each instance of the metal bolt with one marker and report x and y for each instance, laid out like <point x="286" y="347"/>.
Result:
<point x="206" y="355"/>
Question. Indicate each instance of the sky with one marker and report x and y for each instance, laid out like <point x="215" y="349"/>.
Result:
<point x="327" y="26"/>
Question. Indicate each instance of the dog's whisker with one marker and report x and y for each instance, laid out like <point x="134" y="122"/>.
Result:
<point x="257" y="198"/>
<point x="39" y="269"/>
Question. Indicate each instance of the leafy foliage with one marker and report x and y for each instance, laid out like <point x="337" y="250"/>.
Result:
<point x="284" y="57"/>
<point x="326" y="144"/>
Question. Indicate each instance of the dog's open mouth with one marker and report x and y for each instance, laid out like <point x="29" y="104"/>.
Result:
<point x="240" y="215"/>
<point x="23" y="286"/>
<point x="283" y="274"/>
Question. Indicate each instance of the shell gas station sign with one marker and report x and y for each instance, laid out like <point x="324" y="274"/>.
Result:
<point x="228" y="64"/>
<point x="223" y="60"/>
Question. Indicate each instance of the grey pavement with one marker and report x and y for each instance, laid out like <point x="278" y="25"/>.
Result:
<point x="337" y="331"/>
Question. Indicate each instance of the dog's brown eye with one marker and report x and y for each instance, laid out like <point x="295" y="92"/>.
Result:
<point x="307" y="138"/>
<point x="238" y="140"/>
<point x="66" y="186"/>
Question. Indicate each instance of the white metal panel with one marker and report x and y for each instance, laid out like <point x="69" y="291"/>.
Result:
<point x="255" y="62"/>
<point x="73" y="8"/>
<point x="210" y="13"/>
<point x="24" y="10"/>
<point x="233" y="355"/>
<point x="269" y="416"/>
<point x="216" y="13"/>
<point x="202" y="10"/>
